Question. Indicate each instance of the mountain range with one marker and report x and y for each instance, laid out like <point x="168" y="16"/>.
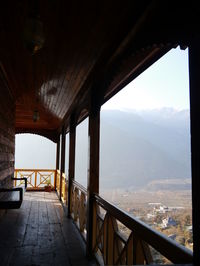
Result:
<point x="140" y="147"/>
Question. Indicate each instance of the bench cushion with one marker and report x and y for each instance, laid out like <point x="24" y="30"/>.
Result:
<point x="12" y="199"/>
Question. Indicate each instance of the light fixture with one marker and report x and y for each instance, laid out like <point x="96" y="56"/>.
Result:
<point x="33" y="35"/>
<point x="36" y="116"/>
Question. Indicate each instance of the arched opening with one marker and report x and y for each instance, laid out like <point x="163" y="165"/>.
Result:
<point x="34" y="152"/>
<point x="35" y="159"/>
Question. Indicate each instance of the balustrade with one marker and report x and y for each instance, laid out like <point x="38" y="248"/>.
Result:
<point x="64" y="193"/>
<point x="58" y="182"/>
<point x="112" y="247"/>
<point x="78" y="206"/>
<point x="37" y="179"/>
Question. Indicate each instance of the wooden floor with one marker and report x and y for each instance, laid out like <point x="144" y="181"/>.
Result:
<point x="39" y="233"/>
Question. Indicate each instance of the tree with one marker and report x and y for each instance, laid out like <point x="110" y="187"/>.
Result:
<point x="187" y="220"/>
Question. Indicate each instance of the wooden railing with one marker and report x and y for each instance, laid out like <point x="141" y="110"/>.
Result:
<point x="36" y="178"/>
<point x="64" y="193"/>
<point x="78" y="207"/>
<point x="58" y="182"/>
<point x="64" y="187"/>
<point x="112" y="247"/>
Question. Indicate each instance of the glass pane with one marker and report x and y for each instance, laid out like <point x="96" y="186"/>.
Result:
<point x="66" y="154"/>
<point x="81" y="157"/>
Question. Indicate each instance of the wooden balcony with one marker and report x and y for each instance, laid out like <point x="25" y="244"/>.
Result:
<point x="42" y="216"/>
<point x="80" y="67"/>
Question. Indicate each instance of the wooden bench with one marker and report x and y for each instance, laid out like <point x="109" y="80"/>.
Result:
<point x="13" y="197"/>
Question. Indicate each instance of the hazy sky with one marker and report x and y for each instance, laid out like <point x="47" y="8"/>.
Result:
<point x="164" y="84"/>
<point x="33" y="151"/>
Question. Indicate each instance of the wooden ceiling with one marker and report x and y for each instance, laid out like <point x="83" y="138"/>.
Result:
<point x="90" y="46"/>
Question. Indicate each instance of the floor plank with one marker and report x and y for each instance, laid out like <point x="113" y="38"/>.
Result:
<point x="39" y="233"/>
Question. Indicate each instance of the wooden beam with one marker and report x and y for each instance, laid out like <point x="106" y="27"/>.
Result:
<point x="62" y="170"/>
<point x="194" y="71"/>
<point x="71" y="168"/>
<point x="93" y="171"/>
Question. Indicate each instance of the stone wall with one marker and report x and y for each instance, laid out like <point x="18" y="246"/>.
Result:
<point x="7" y="136"/>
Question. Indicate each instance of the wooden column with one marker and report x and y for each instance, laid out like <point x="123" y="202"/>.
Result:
<point x="93" y="171"/>
<point x="62" y="170"/>
<point x="57" y="159"/>
<point x="71" y="168"/>
<point x="194" y="71"/>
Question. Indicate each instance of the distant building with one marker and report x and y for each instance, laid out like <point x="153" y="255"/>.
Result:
<point x="168" y="222"/>
<point x="172" y="236"/>
<point x="189" y="228"/>
<point x="163" y="209"/>
<point x="150" y="215"/>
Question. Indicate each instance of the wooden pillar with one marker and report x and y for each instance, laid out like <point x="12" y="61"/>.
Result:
<point x="93" y="171"/>
<point x="62" y="170"/>
<point x="194" y="71"/>
<point x="71" y="168"/>
<point x="57" y="159"/>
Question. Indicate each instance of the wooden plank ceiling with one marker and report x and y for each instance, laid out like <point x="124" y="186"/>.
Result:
<point x="89" y="46"/>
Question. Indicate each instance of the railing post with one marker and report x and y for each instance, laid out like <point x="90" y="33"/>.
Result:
<point x="15" y="175"/>
<point x="57" y="160"/>
<point x="54" y="179"/>
<point x="71" y="168"/>
<point x="35" y="177"/>
<point x="93" y="171"/>
<point x="194" y="70"/>
<point x="62" y="159"/>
